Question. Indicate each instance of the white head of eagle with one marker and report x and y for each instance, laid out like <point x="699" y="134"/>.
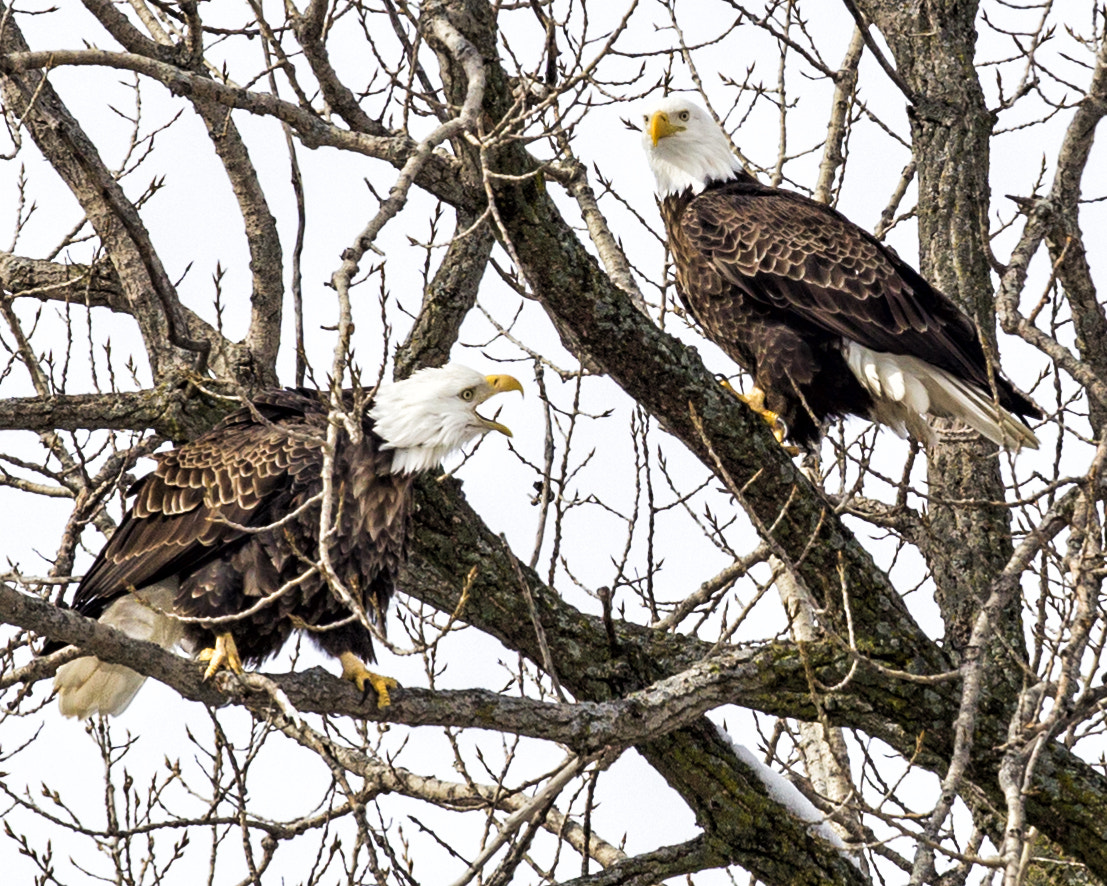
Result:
<point x="685" y="148"/>
<point x="427" y="416"/>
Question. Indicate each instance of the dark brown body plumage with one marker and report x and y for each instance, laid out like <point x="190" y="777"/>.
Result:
<point x="189" y="516"/>
<point x="778" y="281"/>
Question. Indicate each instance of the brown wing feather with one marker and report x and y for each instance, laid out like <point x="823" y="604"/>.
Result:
<point x="800" y="259"/>
<point x="183" y="511"/>
<point x="254" y="473"/>
<point x="780" y="281"/>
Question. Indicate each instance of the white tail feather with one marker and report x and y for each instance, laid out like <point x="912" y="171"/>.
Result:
<point x="87" y="685"/>
<point x="905" y="388"/>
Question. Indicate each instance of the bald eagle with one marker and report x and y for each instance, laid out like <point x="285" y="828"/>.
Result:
<point x="226" y="529"/>
<point x="829" y="321"/>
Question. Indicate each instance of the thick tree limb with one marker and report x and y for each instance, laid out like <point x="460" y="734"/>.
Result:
<point x="317" y="691"/>
<point x="179" y="409"/>
<point x="743" y="675"/>
<point x="96" y="287"/>
<point x="263" y="338"/>
<point x="651" y="867"/>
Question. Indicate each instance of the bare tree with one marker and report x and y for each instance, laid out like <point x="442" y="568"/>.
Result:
<point x="908" y="643"/>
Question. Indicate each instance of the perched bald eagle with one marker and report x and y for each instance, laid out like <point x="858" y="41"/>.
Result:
<point x="829" y="321"/>
<point x="227" y="528"/>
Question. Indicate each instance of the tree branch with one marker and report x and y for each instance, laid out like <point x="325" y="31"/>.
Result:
<point x="439" y="173"/>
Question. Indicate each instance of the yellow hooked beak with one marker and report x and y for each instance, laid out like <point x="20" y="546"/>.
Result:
<point x="659" y="127"/>
<point x="500" y="384"/>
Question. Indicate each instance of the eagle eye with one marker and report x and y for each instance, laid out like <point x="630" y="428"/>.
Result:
<point x="467" y="394"/>
<point x="684" y="115"/>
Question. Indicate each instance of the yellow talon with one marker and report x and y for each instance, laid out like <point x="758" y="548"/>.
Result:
<point x="223" y="655"/>
<point x="726" y="385"/>
<point x="354" y="670"/>
<point x="755" y="400"/>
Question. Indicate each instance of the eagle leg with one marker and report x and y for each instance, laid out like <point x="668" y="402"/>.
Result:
<point x="755" y="400"/>
<point x="354" y="670"/>
<point x="223" y="655"/>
